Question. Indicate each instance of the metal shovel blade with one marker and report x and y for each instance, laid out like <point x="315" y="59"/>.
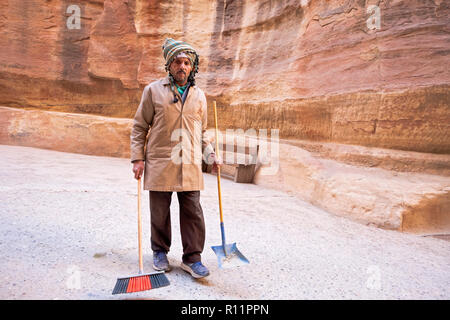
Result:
<point x="232" y="258"/>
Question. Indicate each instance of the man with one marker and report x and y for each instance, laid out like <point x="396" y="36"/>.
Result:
<point x="174" y="109"/>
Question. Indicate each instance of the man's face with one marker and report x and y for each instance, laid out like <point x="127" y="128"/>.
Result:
<point x="180" y="68"/>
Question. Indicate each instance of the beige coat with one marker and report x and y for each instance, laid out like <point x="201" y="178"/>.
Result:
<point x="176" y="141"/>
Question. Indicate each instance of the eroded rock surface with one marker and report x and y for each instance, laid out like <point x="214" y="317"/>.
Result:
<point x="317" y="70"/>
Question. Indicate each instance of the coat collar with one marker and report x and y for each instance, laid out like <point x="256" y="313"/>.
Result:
<point x="166" y="81"/>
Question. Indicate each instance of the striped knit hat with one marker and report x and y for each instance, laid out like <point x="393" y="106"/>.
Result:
<point x="171" y="49"/>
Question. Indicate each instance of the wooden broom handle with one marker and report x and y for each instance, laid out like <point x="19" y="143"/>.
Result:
<point x="141" y="264"/>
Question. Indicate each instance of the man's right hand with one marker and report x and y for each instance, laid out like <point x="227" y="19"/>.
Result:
<point x="138" y="169"/>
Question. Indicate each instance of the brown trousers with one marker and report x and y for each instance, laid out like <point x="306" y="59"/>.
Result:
<point x="192" y="224"/>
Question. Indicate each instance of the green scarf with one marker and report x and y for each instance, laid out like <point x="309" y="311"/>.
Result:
<point x="181" y="89"/>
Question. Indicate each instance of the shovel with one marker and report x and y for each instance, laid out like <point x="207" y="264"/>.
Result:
<point x="228" y="255"/>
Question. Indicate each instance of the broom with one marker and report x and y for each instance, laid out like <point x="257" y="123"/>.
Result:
<point x="140" y="282"/>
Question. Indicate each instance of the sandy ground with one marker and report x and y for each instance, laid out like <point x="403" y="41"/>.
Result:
<point x="68" y="230"/>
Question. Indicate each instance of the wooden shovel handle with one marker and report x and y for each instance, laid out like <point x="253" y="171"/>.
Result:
<point x="218" y="167"/>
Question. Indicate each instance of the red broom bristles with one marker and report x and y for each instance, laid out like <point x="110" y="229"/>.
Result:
<point x="130" y="285"/>
<point x="141" y="283"/>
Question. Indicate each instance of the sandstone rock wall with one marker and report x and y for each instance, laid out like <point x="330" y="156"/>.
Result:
<point x="415" y="202"/>
<point x="44" y="64"/>
<point x="67" y="132"/>
<point x="314" y="69"/>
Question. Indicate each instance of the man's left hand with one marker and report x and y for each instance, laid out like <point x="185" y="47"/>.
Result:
<point x="216" y="161"/>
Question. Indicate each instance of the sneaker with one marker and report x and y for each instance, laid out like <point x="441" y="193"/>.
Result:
<point x="197" y="269"/>
<point x="160" y="262"/>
